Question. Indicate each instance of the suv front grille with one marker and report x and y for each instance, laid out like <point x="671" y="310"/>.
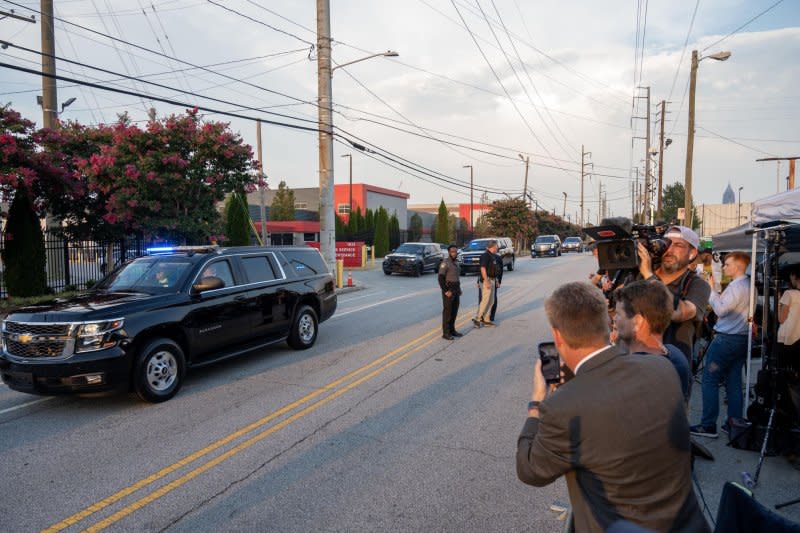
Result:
<point x="37" y="340"/>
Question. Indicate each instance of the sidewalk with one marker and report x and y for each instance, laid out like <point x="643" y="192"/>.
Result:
<point x="778" y="482"/>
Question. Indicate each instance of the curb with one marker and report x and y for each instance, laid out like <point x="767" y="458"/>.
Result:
<point x="346" y="290"/>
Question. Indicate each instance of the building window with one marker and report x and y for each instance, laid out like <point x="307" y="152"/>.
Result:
<point x="309" y="237"/>
<point x="301" y="205"/>
<point x="344" y="209"/>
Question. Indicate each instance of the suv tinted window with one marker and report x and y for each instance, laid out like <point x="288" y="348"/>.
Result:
<point x="149" y="275"/>
<point x="545" y="239"/>
<point x="306" y="262"/>
<point x="258" y="269"/>
<point x="220" y="269"/>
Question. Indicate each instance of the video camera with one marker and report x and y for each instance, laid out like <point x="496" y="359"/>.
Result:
<point x="617" y="239"/>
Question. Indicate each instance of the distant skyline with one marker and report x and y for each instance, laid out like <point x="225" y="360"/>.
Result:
<point x="574" y="87"/>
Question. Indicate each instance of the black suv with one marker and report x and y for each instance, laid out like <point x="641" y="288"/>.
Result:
<point x="413" y="258"/>
<point x="470" y="255"/>
<point x="546" y="245"/>
<point x="153" y="317"/>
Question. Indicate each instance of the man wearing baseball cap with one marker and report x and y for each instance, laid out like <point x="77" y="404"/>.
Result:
<point x="689" y="292"/>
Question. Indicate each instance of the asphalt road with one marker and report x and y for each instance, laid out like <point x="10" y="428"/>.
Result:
<point x="382" y="425"/>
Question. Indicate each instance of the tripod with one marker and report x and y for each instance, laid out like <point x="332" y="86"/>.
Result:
<point x="774" y="241"/>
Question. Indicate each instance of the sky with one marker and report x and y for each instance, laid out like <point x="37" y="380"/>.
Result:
<point x="476" y="82"/>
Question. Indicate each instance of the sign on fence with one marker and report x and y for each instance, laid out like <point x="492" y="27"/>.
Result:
<point x="349" y="252"/>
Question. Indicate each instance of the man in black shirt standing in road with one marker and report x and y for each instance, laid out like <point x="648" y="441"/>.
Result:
<point x="451" y="292"/>
<point x="498" y="281"/>
<point x="488" y="274"/>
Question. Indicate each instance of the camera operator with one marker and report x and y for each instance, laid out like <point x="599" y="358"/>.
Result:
<point x="727" y="353"/>
<point x="689" y="292"/>
<point x="643" y="313"/>
<point x="617" y="430"/>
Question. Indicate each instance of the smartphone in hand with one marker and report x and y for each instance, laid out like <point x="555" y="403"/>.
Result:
<point x="551" y="362"/>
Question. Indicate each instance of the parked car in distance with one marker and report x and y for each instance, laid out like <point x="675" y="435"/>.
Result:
<point x="546" y="245"/>
<point x="413" y="258"/>
<point x="149" y="320"/>
<point x="469" y="256"/>
<point x="572" y="244"/>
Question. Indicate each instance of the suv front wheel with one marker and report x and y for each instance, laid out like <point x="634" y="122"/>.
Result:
<point x="511" y="264"/>
<point x="304" y="329"/>
<point x="159" y="370"/>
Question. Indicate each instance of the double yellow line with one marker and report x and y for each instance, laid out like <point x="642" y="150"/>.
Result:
<point x="369" y="371"/>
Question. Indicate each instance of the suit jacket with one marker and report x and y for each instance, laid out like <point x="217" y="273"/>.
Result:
<point x="618" y="431"/>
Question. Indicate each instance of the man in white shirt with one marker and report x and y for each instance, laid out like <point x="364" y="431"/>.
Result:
<point x="727" y="353"/>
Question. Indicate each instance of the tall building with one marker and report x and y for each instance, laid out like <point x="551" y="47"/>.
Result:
<point x="728" y="197"/>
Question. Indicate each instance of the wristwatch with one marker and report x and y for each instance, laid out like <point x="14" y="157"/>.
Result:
<point x="533" y="405"/>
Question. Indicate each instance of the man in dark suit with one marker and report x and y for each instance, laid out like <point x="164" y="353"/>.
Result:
<point x="617" y="430"/>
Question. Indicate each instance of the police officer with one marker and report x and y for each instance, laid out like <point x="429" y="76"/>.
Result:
<point x="451" y="292"/>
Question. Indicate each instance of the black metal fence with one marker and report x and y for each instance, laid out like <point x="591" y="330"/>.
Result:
<point x="80" y="264"/>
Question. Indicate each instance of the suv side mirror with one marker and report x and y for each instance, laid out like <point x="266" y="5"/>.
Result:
<point x="208" y="283"/>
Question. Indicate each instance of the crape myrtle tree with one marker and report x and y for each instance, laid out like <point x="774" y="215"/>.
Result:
<point x="162" y="181"/>
<point x="511" y="218"/>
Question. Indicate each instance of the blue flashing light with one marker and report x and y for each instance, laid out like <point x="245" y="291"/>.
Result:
<point x="160" y="250"/>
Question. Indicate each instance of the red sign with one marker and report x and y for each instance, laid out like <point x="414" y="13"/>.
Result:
<point x="349" y="252"/>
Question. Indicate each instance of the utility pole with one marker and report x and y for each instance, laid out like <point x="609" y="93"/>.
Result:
<point x="262" y="194"/>
<point x="327" y="228"/>
<point x="49" y="90"/>
<point x="471" y="202"/>
<point x="647" y="169"/>
<point x="661" y="160"/>
<point x="527" y="160"/>
<point x="151" y="114"/>
<point x="584" y="153"/>
<point x="791" y="160"/>
<point x="687" y="183"/>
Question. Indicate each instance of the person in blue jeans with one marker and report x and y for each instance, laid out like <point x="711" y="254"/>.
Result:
<point x="727" y="353"/>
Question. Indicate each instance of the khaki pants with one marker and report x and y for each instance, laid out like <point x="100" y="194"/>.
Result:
<point x="486" y="302"/>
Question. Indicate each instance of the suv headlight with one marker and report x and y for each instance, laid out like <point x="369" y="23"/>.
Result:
<point x="93" y="336"/>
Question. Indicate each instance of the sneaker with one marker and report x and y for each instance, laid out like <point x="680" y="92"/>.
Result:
<point x="726" y="427"/>
<point x="488" y="323"/>
<point x="703" y="431"/>
<point x="477" y="323"/>
<point x="456" y="334"/>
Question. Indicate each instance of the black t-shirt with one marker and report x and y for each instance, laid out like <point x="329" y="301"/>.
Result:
<point x="692" y="288"/>
<point x="488" y="262"/>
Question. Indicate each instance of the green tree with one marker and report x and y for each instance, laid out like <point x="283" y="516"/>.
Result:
<point x="355" y="224"/>
<point x="511" y="218"/>
<point x="369" y="226"/>
<point x="237" y="220"/>
<point x="381" y="232"/>
<point x="23" y="253"/>
<point x="415" y="227"/>
<point x="674" y="196"/>
<point x="282" y="207"/>
<point x="340" y="229"/>
<point x="394" y="231"/>
<point x="442" y="232"/>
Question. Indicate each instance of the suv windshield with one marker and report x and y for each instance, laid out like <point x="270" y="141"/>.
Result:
<point x="410" y="249"/>
<point x="476" y="245"/>
<point x="572" y="239"/>
<point x="544" y="239"/>
<point x="150" y="275"/>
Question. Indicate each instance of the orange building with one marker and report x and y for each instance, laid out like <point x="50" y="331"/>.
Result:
<point x="370" y="197"/>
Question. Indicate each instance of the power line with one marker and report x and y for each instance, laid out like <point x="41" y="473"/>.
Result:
<point x="499" y="81"/>
<point x="155" y="84"/>
<point x="683" y="52"/>
<point x="248" y="17"/>
<point x="737" y="30"/>
<point x="736" y="142"/>
<point x="144" y="48"/>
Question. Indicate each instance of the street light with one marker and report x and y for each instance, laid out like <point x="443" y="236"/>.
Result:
<point x="350" y="157"/>
<point x="687" y="201"/>
<point x="471" y="204"/>
<point x="325" y="70"/>
<point x="387" y="53"/>
<point x="739" y="213"/>
<point x="64" y="105"/>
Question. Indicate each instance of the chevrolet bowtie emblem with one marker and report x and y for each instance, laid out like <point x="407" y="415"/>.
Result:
<point x="25" y="338"/>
